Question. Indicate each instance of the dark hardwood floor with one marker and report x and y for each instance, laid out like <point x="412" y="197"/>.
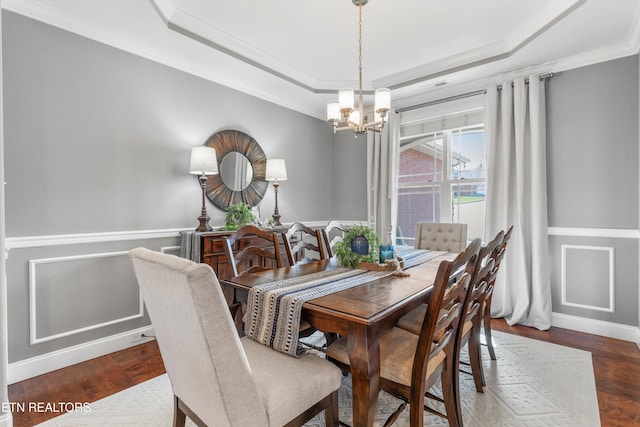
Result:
<point x="616" y="367"/>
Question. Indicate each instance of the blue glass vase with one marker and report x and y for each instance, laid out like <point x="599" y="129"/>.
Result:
<point x="360" y="245"/>
<point x="386" y="252"/>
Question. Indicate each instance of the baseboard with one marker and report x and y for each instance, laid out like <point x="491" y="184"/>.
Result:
<point x="597" y="327"/>
<point x="29" y="368"/>
<point x="6" y="420"/>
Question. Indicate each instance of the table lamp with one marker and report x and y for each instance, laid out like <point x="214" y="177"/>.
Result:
<point x="203" y="162"/>
<point x="276" y="171"/>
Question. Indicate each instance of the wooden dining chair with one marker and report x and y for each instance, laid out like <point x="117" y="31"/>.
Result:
<point x="441" y="236"/>
<point x="410" y="364"/>
<point x="218" y="378"/>
<point x="497" y="255"/>
<point x="257" y="250"/>
<point x="331" y="235"/>
<point x="302" y="244"/>
<point x="306" y="241"/>
<point x="468" y="332"/>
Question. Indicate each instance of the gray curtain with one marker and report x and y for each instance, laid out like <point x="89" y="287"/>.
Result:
<point x="515" y="139"/>
<point x="382" y="172"/>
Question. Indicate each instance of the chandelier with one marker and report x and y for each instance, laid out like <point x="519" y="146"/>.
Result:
<point x="342" y="115"/>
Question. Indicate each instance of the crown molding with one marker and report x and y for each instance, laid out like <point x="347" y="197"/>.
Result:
<point x="185" y="24"/>
<point x="294" y="97"/>
<point x="548" y="17"/>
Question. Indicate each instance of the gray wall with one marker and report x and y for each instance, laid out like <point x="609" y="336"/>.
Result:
<point x="97" y="140"/>
<point x="350" y="177"/>
<point x="592" y="155"/>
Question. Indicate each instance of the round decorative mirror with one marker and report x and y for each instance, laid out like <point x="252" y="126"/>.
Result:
<point x="242" y="165"/>
<point x="236" y="171"/>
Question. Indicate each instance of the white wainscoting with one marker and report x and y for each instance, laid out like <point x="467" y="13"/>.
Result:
<point x="28" y="368"/>
<point x="48" y="362"/>
<point x="593" y="326"/>
<point x="33" y="298"/>
<point x="564" y="274"/>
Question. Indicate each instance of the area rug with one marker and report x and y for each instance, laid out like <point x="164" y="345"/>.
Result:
<point x="533" y="383"/>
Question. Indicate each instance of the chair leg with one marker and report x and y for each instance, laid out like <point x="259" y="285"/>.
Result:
<point x="486" y="318"/>
<point x="451" y="392"/>
<point x="475" y="356"/>
<point x="331" y="412"/>
<point x="179" y="417"/>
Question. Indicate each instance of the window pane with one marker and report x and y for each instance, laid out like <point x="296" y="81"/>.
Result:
<point x="468" y="207"/>
<point x="421" y="159"/>
<point x="416" y="205"/>
<point x="467" y="152"/>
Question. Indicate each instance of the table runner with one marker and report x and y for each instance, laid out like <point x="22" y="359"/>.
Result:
<point x="274" y="309"/>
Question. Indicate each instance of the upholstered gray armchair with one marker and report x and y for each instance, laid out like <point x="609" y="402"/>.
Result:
<point x="439" y="236"/>
<point x="219" y="379"/>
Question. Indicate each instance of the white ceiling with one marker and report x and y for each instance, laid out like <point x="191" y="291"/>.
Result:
<point x="297" y="53"/>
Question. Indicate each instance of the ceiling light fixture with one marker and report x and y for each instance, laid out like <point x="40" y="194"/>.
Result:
<point x="342" y="115"/>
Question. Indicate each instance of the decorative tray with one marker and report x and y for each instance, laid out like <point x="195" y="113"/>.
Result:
<point x="389" y="265"/>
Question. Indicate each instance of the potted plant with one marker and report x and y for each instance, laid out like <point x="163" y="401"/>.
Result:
<point x="359" y="244"/>
<point x="238" y="215"/>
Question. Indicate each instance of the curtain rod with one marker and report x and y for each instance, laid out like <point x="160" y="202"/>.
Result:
<point x="462" y="96"/>
<point x="440" y="101"/>
<point x="526" y="81"/>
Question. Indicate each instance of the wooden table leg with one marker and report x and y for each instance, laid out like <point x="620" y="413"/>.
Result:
<point x="364" y="360"/>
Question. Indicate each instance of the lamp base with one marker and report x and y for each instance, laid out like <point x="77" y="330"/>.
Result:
<point x="204" y="224"/>
<point x="276" y="212"/>
<point x="276" y="219"/>
<point x="203" y="218"/>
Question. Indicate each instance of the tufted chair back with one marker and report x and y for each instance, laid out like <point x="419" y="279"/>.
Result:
<point x="450" y="237"/>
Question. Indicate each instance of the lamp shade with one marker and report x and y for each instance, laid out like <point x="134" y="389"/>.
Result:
<point x="276" y="170"/>
<point x="203" y="161"/>
<point x="345" y="98"/>
<point x="333" y="111"/>
<point x="383" y="99"/>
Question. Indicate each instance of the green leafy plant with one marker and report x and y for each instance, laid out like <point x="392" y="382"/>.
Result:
<point x="238" y="215"/>
<point x="347" y="257"/>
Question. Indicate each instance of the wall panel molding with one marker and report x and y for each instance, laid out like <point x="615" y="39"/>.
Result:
<point x="563" y="277"/>
<point x="33" y="296"/>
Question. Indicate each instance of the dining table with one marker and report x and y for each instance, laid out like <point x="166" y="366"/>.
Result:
<point x="359" y="313"/>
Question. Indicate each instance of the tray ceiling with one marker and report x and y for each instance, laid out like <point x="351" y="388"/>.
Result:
<point x="297" y="53"/>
